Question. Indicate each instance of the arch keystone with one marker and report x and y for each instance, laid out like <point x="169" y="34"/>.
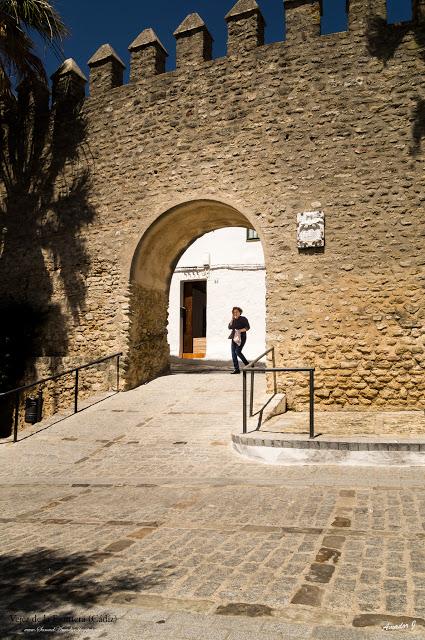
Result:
<point x="106" y="70"/>
<point x="148" y="56"/>
<point x="193" y="41"/>
<point x="245" y="25"/>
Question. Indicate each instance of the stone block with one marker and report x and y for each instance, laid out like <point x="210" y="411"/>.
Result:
<point x="194" y="42"/>
<point x="148" y="56"/>
<point x="302" y="20"/>
<point x="106" y="70"/>
<point x="245" y="25"/>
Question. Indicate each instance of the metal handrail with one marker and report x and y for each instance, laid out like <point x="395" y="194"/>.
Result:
<point x="75" y="370"/>
<point x="249" y="369"/>
<point x="58" y="375"/>
<point x="251" y="364"/>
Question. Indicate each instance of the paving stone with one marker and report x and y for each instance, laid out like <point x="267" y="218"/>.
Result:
<point x="341" y="522"/>
<point x="251" y="635"/>
<point x="334" y="542"/>
<point x="338" y="633"/>
<point x="208" y="631"/>
<point x="320" y="573"/>
<point x="369" y="599"/>
<point x="325" y="555"/>
<point x="244" y="609"/>
<point x="286" y="630"/>
<point x="147" y="615"/>
<point x="396" y="603"/>
<point x="168" y="530"/>
<point x="308" y="595"/>
<point x="419" y="599"/>
<point x="118" y="546"/>
<point x="369" y="577"/>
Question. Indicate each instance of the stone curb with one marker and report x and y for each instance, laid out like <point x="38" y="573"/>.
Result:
<point x="341" y="445"/>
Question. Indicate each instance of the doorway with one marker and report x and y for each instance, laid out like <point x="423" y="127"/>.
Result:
<point x="162" y="244"/>
<point x="194" y="319"/>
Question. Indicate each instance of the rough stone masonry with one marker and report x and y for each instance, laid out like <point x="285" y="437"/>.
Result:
<point x="334" y="123"/>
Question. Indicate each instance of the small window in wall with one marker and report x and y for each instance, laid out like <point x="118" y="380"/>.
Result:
<point x="251" y="234"/>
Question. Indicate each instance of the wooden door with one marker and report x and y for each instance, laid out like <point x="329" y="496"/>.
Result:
<point x="188" y="317"/>
<point x="194" y="333"/>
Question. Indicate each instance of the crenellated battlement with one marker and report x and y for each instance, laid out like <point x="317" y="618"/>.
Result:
<point x="246" y="29"/>
<point x="419" y="10"/>
<point x="68" y="82"/>
<point x="360" y="12"/>
<point x="106" y="70"/>
<point x="148" y="56"/>
<point x="303" y="19"/>
<point x="193" y="42"/>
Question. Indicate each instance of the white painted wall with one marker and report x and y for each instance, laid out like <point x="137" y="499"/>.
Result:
<point x="235" y="277"/>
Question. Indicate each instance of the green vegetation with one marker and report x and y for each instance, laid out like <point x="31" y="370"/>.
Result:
<point x="20" y="21"/>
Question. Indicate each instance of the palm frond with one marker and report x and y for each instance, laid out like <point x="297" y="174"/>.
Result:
<point x="19" y="19"/>
<point x="17" y="58"/>
<point x="37" y="15"/>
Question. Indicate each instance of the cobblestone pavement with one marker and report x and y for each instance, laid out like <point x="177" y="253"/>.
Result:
<point x="137" y="512"/>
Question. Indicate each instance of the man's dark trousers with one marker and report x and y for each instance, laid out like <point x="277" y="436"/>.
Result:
<point x="237" y="352"/>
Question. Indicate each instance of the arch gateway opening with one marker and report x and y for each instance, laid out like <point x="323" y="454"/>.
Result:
<point x="221" y="269"/>
<point x="153" y="265"/>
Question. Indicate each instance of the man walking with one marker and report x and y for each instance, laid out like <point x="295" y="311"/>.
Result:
<point x="239" y="325"/>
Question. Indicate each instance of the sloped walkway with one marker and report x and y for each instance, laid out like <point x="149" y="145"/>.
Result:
<point x="137" y="512"/>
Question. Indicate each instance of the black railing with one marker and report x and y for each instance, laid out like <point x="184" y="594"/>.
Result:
<point x="251" y="394"/>
<point x="17" y="392"/>
<point x="251" y="370"/>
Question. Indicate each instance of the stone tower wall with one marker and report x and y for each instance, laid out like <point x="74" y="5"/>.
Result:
<point x="333" y="123"/>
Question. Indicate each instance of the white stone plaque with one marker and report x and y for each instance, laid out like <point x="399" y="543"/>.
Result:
<point x="311" y="229"/>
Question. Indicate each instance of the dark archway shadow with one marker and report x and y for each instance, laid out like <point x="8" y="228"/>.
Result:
<point x="44" y="171"/>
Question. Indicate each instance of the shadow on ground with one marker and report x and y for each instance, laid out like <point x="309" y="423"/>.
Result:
<point x="43" y="582"/>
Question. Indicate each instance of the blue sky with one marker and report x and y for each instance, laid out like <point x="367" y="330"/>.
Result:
<point x="94" y="22"/>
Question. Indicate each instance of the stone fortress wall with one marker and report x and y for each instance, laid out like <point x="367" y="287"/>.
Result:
<point x="332" y="123"/>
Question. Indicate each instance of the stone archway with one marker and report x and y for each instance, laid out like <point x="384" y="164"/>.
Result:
<point x="154" y="261"/>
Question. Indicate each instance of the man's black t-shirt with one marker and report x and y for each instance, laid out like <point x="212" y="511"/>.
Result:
<point x="239" y="323"/>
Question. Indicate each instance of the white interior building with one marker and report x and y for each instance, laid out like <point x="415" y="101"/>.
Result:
<point x="220" y="270"/>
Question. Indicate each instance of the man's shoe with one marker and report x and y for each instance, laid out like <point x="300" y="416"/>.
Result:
<point x="235" y="371"/>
